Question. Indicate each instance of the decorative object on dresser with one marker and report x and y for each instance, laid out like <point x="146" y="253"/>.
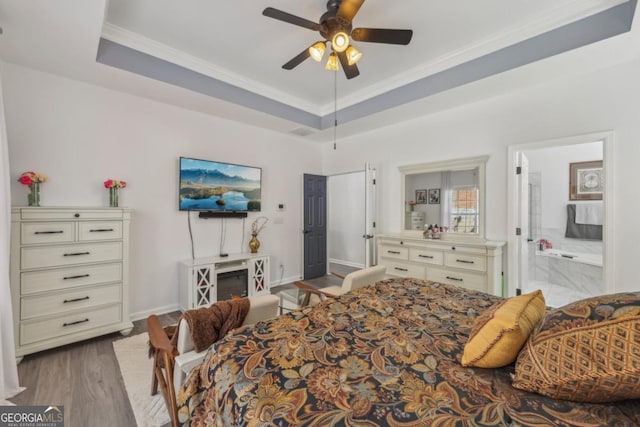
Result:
<point x="471" y="264"/>
<point x="69" y="275"/>
<point x="32" y="180"/>
<point x="204" y="281"/>
<point x="113" y="185"/>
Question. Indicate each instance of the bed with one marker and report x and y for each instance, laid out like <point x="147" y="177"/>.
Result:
<point x="387" y="354"/>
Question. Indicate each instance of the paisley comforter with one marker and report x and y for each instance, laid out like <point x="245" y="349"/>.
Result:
<point x="385" y="355"/>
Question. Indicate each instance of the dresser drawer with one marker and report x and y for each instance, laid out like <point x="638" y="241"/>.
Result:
<point x="473" y="281"/>
<point x="426" y="256"/>
<point x="99" y="230"/>
<point x="47" y="232"/>
<point x="404" y="269"/>
<point x="466" y="261"/>
<point x="63" y="278"/>
<point x="467" y="249"/>
<point x="33" y="331"/>
<point x="61" y="255"/>
<point x="48" y="214"/>
<point x="75" y="299"/>
<point x="394" y="252"/>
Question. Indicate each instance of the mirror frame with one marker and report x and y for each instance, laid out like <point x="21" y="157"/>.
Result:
<point x="449" y="165"/>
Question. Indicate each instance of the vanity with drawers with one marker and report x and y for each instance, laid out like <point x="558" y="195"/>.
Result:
<point x="69" y="275"/>
<point x="471" y="264"/>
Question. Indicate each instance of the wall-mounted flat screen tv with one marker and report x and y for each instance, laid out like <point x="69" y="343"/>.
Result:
<point x="219" y="187"/>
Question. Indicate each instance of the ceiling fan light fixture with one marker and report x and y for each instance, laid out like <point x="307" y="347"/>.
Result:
<point x="353" y="55"/>
<point x="332" y="63"/>
<point x="317" y="51"/>
<point x="340" y="41"/>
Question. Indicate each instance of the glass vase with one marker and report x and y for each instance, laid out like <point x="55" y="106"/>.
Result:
<point x="113" y="197"/>
<point x="254" y="243"/>
<point x="33" y="198"/>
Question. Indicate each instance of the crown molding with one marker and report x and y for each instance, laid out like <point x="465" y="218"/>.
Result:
<point x="151" y="47"/>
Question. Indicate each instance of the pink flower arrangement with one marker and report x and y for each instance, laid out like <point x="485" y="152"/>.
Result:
<point x="114" y="183"/>
<point x="28" y="178"/>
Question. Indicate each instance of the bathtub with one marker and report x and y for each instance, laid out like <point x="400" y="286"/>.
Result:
<point x="579" y="257"/>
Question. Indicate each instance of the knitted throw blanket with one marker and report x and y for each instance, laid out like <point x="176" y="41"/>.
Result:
<point x="208" y="324"/>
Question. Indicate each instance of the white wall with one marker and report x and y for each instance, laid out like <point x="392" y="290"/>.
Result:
<point x="79" y="135"/>
<point x="346" y="218"/>
<point x="602" y="100"/>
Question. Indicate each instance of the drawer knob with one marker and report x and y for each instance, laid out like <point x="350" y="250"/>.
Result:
<point x="75" y="277"/>
<point x="400" y="269"/>
<point x="455" y="278"/>
<point x="77" y="253"/>
<point x="75" y="300"/>
<point x="100" y="230"/>
<point x="464" y="261"/>
<point x="393" y="252"/>
<point x="426" y="256"/>
<point x="75" y="323"/>
<point x="77" y="215"/>
<point x="49" y="232"/>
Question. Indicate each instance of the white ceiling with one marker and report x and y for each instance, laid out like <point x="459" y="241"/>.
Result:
<point x="233" y="43"/>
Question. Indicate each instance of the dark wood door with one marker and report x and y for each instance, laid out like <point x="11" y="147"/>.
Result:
<point x="315" y="226"/>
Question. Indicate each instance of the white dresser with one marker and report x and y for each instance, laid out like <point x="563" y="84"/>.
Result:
<point x="201" y="278"/>
<point x="69" y="275"/>
<point x="470" y="264"/>
<point x="414" y="220"/>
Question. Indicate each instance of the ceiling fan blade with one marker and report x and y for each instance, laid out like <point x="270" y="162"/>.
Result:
<point x="347" y="10"/>
<point x="350" y="71"/>
<point x="379" y="35"/>
<point x="291" y="19"/>
<point x="297" y="60"/>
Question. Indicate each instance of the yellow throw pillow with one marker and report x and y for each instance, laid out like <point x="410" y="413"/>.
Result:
<point x="499" y="333"/>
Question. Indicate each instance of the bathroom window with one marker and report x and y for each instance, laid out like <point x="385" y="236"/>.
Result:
<point x="464" y="209"/>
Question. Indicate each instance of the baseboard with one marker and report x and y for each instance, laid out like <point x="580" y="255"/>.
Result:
<point x="159" y="310"/>
<point x="285" y="281"/>
<point x="346" y="263"/>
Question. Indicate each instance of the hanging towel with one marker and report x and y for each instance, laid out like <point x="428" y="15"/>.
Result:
<point x="581" y="231"/>
<point x="589" y="213"/>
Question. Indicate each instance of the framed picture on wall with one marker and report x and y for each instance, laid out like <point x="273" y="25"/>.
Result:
<point x="421" y="197"/>
<point x="434" y="196"/>
<point x="586" y="180"/>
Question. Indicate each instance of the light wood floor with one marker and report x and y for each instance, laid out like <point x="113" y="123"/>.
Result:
<point x="85" y="378"/>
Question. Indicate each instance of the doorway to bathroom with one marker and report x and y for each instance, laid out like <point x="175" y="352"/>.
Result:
<point x="558" y="208"/>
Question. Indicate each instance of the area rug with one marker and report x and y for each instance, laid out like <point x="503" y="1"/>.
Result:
<point x="135" y="366"/>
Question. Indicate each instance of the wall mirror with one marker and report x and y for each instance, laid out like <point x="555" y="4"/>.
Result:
<point x="448" y="193"/>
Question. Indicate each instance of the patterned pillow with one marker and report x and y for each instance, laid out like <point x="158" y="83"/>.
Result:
<point x="499" y="333"/>
<point x="587" y="351"/>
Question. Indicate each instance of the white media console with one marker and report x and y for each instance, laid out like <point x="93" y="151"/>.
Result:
<point x="204" y="281"/>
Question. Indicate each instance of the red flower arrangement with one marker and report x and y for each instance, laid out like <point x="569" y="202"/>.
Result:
<point x="114" y="183"/>
<point x="28" y="178"/>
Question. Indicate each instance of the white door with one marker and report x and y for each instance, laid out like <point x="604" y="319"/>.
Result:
<point x="370" y="215"/>
<point x="522" y="232"/>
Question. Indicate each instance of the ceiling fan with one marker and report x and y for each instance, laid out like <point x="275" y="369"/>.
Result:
<point x="335" y="27"/>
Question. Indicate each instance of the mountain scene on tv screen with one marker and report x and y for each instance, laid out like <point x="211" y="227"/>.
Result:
<point x="214" y="190"/>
